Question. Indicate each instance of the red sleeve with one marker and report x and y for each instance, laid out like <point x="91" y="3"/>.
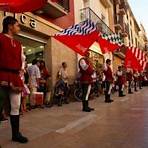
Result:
<point x="90" y="70"/>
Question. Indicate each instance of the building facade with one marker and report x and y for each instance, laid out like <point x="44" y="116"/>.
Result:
<point x="37" y="29"/>
<point x="100" y="12"/>
<point x="126" y="24"/>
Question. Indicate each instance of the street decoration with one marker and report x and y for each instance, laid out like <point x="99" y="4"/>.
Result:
<point x="79" y="37"/>
<point x="135" y="59"/>
<point x="109" y="42"/>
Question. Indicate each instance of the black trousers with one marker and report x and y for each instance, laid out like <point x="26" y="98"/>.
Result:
<point x="120" y="89"/>
<point x="140" y="85"/>
<point x="107" y="89"/>
<point x="129" y="86"/>
<point x="135" y="85"/>
<point x="86" y="88"/>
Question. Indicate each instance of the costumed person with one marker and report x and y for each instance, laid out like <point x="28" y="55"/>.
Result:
<point x="129" y="78"/>
<point x="136" y="75"/>
<point x="141" y="78"/>
<point x="108" y="81"/>
<point x="11" y="66"/>
<point x="120" y="81"/>
<point x="86" y="80"/>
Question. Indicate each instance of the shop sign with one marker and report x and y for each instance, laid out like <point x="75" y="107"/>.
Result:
<point x="24" y="20"/>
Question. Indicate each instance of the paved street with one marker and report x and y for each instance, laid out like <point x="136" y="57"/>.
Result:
<point x="122" y="124"/>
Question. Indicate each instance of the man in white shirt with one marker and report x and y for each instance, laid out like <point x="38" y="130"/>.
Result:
<point x="63" y="75"/>
<point x="34" y="74"/>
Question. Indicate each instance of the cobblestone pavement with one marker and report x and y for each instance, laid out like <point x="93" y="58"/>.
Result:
<point x="122" y="124"/>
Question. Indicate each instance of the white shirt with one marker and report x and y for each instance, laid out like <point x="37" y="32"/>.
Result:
<point x="34" y="74"/>
<point x="119" y="73"/>
<point x="63" y="74"/>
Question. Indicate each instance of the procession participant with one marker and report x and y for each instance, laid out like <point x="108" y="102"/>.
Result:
<point x="12" y="62"/>
<point x="129" y="78"/>
<point x="120" y="81"/>
<point x="140" y="80"/>
<point x="108" y="81"/>
<point x="136" y="75"/>
<point x="86" y="80"/>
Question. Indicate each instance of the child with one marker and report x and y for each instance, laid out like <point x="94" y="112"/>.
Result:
<point x="26" y="91"/>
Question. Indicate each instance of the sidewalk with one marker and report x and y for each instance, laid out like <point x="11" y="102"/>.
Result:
<point x="120" y="124"/>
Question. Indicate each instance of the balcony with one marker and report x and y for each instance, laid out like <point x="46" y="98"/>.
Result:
<point x="125" y="30"/>
<point x="122" y="7"/>
<point x="106" y="3"/>
<point x="88" y="13"/>
<point x="117" y="2"/>
<point x="55" y="9"/>
<point x="118" y="23"/>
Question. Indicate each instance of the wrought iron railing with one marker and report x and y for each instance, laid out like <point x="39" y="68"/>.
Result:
<point x="88" y="13"/>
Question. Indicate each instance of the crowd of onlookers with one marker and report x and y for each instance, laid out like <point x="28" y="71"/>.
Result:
<point x="36" y="92"/>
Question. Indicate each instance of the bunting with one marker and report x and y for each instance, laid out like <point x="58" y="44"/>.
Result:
<point x="79" y="37"/>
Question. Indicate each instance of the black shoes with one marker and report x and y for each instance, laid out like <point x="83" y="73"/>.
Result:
<point x="122" y="95"/>
<point x="86" y="108"/>
<point x="107" y="99"/>
<point x="92" y="109"/>
<point x="130" y="92"/>
<point x="19" y="138"/>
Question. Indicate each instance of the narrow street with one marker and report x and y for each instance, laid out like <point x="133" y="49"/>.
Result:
<point x="123" y="124"/>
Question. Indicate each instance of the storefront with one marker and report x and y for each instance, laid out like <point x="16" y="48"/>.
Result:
<point x="37" y="43"/>
<point x="117" y="61"/>
<point x="96" y="56"/>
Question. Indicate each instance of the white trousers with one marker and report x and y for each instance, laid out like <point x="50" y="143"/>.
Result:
<point x="88" y="92"/>
<point x="15" y="102"/>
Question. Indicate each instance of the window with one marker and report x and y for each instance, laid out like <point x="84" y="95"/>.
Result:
<point x="86" y="3"/>
<point x="102" y="17"/>
<point x="32" y="49"/>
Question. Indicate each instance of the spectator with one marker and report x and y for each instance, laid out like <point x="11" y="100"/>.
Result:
<point x="26" y="91"/>
<point x="59" y="92"/>
<point x="34" y="75"/>
<point x="63" y="75"/>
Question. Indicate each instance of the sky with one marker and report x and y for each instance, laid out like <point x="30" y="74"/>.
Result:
<point x="140" y="10"/>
